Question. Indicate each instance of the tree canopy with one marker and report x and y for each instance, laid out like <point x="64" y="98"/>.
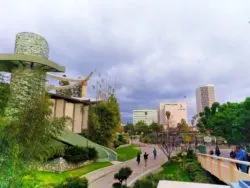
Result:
<point x="104" y="119"/>
<point x="227" y="120"/>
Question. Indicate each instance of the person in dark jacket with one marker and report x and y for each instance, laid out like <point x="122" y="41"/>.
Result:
<point x="138" y="158"/>
<point x="145" y="158"/>
<point x="217" y="150"/>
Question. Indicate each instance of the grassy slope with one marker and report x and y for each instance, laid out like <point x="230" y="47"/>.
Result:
<point x="55" y="178"/>
<point x="127" y="153"/>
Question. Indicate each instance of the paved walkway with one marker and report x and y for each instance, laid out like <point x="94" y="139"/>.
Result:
<point x="105" y="177"/>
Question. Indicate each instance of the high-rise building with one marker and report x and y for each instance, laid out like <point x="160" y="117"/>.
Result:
<point x="177" y="111"/>
<point x="148" y="116"/>
<point x="205" y="97"/>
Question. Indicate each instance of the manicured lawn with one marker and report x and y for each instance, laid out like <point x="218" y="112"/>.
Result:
<point x="127" y="153"/>
<point x="173" y="168"/>
<point x="56" y="178"/>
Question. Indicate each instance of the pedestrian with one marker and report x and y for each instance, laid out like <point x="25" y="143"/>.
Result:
<point x="145" y="158"/>
<point x="138" y="158"/>
<point x="155" y="153"/>
<point x="211" y="152"/>
<point x="232" y="153"/>
<point x="241" y="155"/>
<point x="217" y="150"/>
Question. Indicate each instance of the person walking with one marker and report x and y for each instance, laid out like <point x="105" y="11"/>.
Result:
<point x="240" y="154"/>
<point x="138" y="158"/>
<point x="217" y="151"/>
<point x="145" y="158"/>
<point x="154" y="153"/>
<point x="211" y="152"/>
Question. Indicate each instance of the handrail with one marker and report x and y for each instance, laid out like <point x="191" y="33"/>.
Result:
<point x="226" y="159"/>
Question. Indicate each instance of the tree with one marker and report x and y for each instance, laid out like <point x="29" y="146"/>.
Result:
<point x="123" y="175"/>
<point x="156" y="127"/>
<point x="141" y="127"/>
<point x="129" y="128"/>
<point x="183" y="126"/>
<point x="104" y="118"/>
<point x="168" y="115"/>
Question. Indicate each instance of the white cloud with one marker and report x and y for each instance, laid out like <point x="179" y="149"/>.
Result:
<point x="161" y="46"/>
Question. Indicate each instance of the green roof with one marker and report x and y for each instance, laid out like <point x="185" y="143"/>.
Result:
<point x="10" y="61"/>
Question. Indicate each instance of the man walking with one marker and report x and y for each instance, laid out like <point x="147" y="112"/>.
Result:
<point x="145" y="158"/>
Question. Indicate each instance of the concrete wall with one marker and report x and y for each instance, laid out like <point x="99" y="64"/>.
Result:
<point x="177" y="110"/>
<point x="78" y="113"/>
<point x="77" y="126"/>
<point x="59" y="109"/>
<point x="69" y="112"/>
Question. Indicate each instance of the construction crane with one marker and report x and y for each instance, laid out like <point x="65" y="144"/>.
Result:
<point x="73" y="83"/>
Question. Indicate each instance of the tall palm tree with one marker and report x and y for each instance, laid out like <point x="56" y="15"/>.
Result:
<point x="168" y="115"/>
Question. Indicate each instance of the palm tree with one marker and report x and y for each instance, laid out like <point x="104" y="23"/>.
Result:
<point x="168" y="115"/>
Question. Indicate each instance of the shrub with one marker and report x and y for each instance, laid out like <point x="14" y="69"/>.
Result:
<point x="118" y="185"/>
<point x="75" y="154"/>
<point x="191" y="154"/>
<point x="146" y="139"/>
<point x="74" y="182"/>
<point x="202" y="149"/>
<point x="92" y="153"/>
<point x="123" y="174"/>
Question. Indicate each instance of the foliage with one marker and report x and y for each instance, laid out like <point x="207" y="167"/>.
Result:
<point x="127" y="152"/>
<point x="51" y="178"/>
<point x="118" y="185"/>
<point x="183" y="126"/>
<point x="26" y="127"/>
<point x="227" y="120"/>
<point x="74" y="182"/>
<point x="123" y="174"/>
<point x="130" y="129"/>
<point x="64" y="92"/>
<point x="4" y="94"/>
<point x="120" y="140"/>
<point x="103" y="121"/>
<point x="156" y="127"/>
<point x="75" y="154"/>
<point x="184" y="168"/>
<point x="141" y="127"/>
<point x="202" y="149"/>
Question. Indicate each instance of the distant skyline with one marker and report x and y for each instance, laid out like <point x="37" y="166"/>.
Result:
<point x="153" y="50"/>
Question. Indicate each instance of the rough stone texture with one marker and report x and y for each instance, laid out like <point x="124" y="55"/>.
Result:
<point x="31" y="44"/>
<point x="61" y="165"/>
<point x="21" y="93"/>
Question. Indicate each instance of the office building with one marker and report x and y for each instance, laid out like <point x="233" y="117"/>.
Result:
<point x="205" y="97"/>
<point x="148" y="116"/>
<point x="177" y="110"/>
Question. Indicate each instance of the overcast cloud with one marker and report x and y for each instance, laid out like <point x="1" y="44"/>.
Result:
<point x="156" y="50"/>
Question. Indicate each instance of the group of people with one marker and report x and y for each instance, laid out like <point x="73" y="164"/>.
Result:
<point x="145" y="156"/>
<point x="217" y="151"/>
<point x="239" y="153"/>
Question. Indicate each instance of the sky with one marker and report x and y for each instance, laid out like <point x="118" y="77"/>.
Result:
<point x="152" y="50"/>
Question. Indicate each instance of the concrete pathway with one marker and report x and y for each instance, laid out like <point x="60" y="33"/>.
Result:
<point x="105" y="177"/>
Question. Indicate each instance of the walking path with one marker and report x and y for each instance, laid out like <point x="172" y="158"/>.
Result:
<point x="105" y="177"/>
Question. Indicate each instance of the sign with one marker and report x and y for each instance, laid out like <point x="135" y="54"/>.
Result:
<point x="207" y="139"/>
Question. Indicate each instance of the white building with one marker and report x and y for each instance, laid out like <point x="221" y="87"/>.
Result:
<point x="178" y="111"/>
<point x="205" y="97"/>
<point x="148" y="116"/>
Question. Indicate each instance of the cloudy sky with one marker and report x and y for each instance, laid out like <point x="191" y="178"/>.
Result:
<point x="154" y="50"/>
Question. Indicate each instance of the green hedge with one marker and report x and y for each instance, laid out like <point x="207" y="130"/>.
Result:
<point x="75" y="154"/>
